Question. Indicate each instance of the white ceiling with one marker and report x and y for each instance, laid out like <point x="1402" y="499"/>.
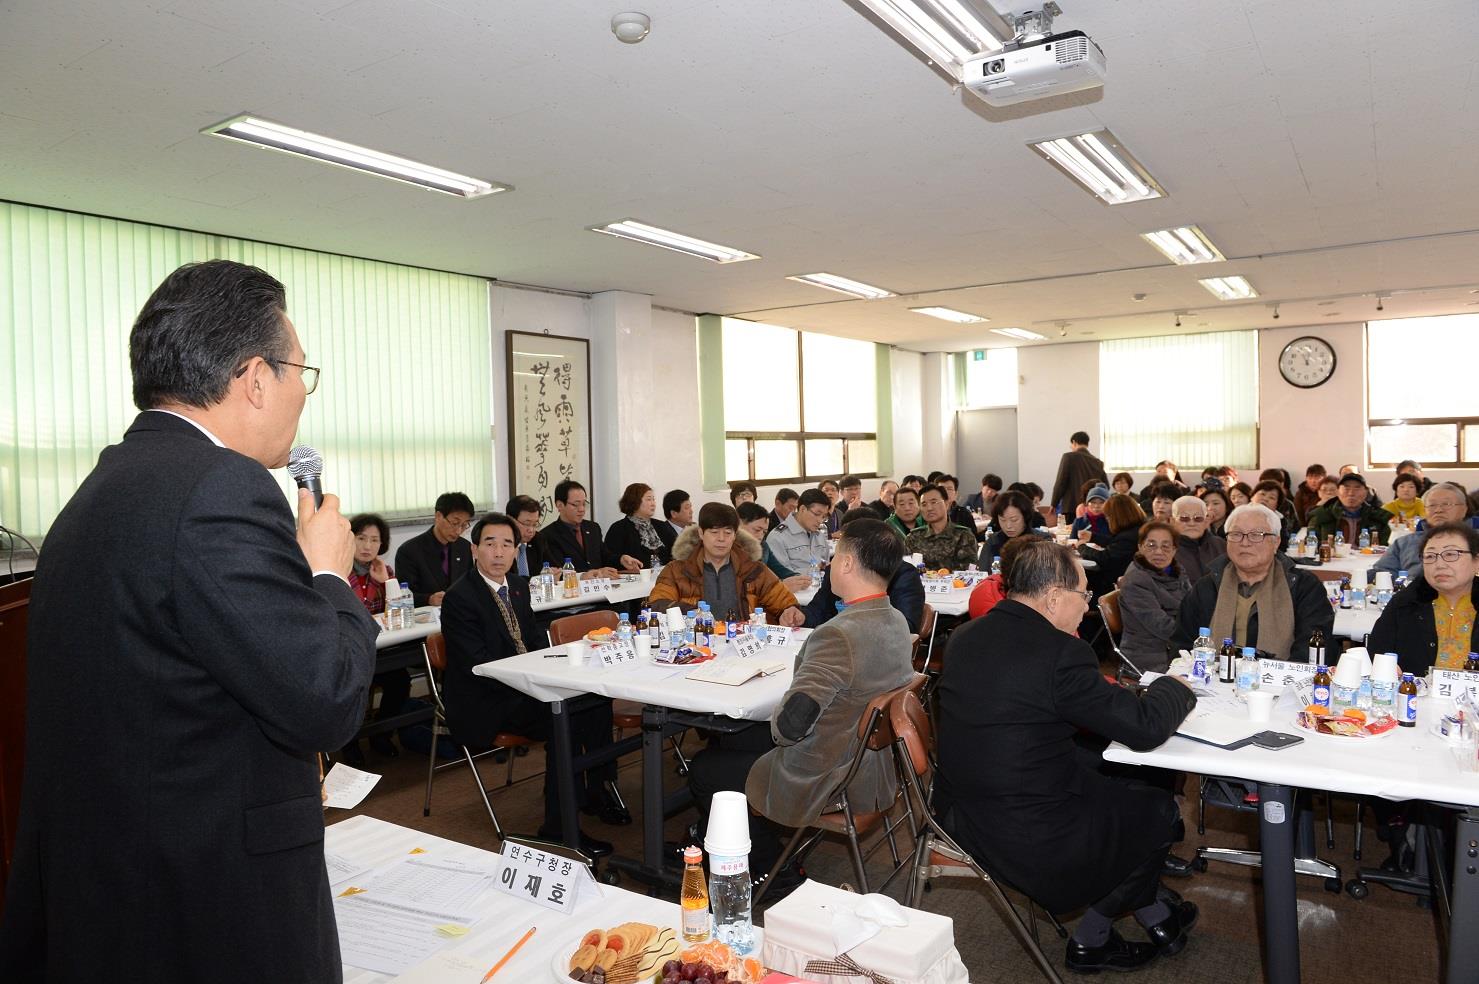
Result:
<point x="1326" y="155"/>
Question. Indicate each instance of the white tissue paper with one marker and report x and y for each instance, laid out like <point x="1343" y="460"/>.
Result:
<point x="852" y="925"/>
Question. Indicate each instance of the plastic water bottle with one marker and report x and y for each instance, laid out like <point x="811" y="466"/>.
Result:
<point x="1383" y="597"/>
<point x="729" y="896"/>
<point x="816" y="573"/>
<point x="1401" y="580"/>
<point x="624" y="629"/>
<point x="1203" y="656"/>
<point x="995" y="566"/>
<point x="1339" y="539"/>
<point x="1365" y="695"/>
<point x="690" y="628"/>
<point x="570" y="579"/>
<point x="1363" y="543"/>
<point x="1312" y="545"/>
<point x="547" y="582"/>
<point x="1248" y="672"/>
<point x="758" y="626"/>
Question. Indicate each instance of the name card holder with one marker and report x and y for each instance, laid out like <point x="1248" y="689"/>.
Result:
<point x="545" y="879"/>
<point x="1284" y="674"/>
<point x="1451" y="684"/>
<point x="594" y="586"/>
<point x="938" y="587"/>
<point x="778" y="635"/>
<point x="746" y="646"/>
<point x="614" y="654"/>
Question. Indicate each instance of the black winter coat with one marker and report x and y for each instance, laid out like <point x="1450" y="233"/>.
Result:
<point x="1311" y="610"/>
<point x="1406" y="627"/>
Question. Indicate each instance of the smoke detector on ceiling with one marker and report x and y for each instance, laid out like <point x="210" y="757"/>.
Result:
<point x="631" y="26"/>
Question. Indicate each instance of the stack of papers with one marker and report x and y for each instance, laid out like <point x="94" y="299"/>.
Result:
<point x="407" y="910"/>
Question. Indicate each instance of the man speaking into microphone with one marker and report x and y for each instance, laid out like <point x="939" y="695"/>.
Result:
<point x="189" y="652"/>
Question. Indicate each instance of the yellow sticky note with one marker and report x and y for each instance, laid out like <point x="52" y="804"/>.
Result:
<point x="351" y="890"/>
<point x="418" y="850"/>
<point x="452" y="929"/>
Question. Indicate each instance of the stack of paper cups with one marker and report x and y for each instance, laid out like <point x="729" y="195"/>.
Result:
<point x="1383" y="580"/>
<point x="1347" y="679"/>
<point x="728" y="833"/>
<point x="1384" y="678"/>
<point x="1358" y="579"/>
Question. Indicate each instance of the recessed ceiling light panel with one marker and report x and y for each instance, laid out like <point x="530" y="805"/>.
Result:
<point x="1102" y="166"/>
<point x="950" y="314"/>
<point x="654" y="236"/>
<point x="947" y="32"/>
<point x="1022" y="333"/>
<point x="1233" y="288"/>
<point x="1184" y="245"/>
<point x="842" y="285"/>
<point x="314" y="146"/>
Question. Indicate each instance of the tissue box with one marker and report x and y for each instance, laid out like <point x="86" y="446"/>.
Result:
<point x="798" y="930"/>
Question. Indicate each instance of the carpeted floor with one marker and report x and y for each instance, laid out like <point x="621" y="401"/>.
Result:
<point x="1386" y="935"/>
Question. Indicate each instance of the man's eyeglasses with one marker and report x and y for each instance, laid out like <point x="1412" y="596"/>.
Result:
<point x="1254" y="538"/>
<point x="1088" y="596"/>
<point x="1449" y="556"/>
<point x="1191" y="519"/>
<point x="310" y="373"/>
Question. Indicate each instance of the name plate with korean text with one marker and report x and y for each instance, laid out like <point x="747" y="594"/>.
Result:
<point x="614" y="654"/>
<point x="545" y="879"/>
<point x="1450" y="684"/>
<point x="1282" y="674"/>
<point x="746" y="646"/>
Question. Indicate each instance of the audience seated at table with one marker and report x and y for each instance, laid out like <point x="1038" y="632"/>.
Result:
<point x="905" y="588"/>
<point x="1151" y="593"/>
<point x="851" y="491"/>
<point x="677" y="510"/>
<point x="1372" y="499"/>
<point x="981" y="501"/>
<point x="1011" y="517"/>
<point x="574" y="538"/>
<point x="1034" y="811"/>
<point x="994" y="588"/>
<point x="1307" y="496"/>
<point x="833" y="492"/>
<point x="1124" y="518"/>
<point x="883" y="506"/>
<point x="1196" y="549"/>
<point x="801" y="540"/>
<point x="755" y="521"/>
<point x="1405" y="505"/>
<point x="1091" y="521"/>
<point x="525" y="510"/>
<point x="1446" y="502"/>
<point x="1432" y="621"/>
<point x="1240" y="494"/>
<point x="790" y="768"/>
<point x="367" y="578"/>
<point x="1162" y="499"/>
<point x="1214" y="497"/>
<point x="943" y="544"/>
<point x="717" y="562"/>
<point x="486" y="616"/>
<point x="907" y="515"/>
<point x="1257" y="596"/>
<point x="743" y="492"/>
<point x="785" y="504"/>
<point x="1271" y="495"/>
<point x="1410" y="467"/>
<point x="1075" y="468"/>
<point x="1350" y="513"/>
<point x="1123" y="483"/>
<point x="959" y="515"/>
<point x="635" y="535"/>
<point x="432" y="561"/>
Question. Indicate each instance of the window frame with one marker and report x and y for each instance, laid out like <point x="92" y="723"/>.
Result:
<point x="1465" y="459"/>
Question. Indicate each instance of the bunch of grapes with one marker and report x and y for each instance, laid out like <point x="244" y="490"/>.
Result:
<point x="677" y="972"/>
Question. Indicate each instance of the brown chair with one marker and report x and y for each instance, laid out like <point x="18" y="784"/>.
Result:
<point x="936" y="853"/>
<point x="434" y="648"/>
<point x="874" y="736"/>
<point x="1109" y="610"/>
<point x="572" y="627"/>
<point x="925" y="638"/>
<point x="15" y="600"/>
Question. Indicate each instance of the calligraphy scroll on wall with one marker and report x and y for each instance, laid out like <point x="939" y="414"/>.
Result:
<point x="549" y="414"/>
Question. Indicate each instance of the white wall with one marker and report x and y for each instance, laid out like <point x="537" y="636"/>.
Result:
<point x="1057" y="394"/>
<point x="1325" y="424"/>
<point x="906" y="383"/>
<point x="937" y="443"/>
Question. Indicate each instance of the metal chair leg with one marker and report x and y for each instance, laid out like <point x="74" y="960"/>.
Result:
<point x="431" y="766"/>
<point x="487" y="804"/>
<point x="1360" y="828"/>
<point x="1329" y="822"/>
<point x="509" y="778"/>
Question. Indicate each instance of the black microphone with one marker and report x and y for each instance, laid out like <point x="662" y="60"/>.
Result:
<point x="306" y="466"/>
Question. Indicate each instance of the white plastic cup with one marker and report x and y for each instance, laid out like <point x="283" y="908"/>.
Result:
<point x="1383" y="580"/>
<point x="1358" y="579"/>
<point x="728" y="834"/>
<point x="1261" y="704"/>
<point x="577" y="652"/>
<point x="1350" y="669"/>
<point x="643" y="645"/>
<point x="1384" y="668"/>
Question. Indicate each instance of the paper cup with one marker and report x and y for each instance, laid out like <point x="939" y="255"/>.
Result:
<point x="1384" y="667"/>
<point x="577" y="651"/>
<point x="1342" y="550"/>
<point x="728" y="834"/>
<point x="643" y="645"/>
<point x="1383" y="580"/>
<point x="1349" y="671"/>
<point x="1358" y="579"/>
<point x="1261" y="705"/>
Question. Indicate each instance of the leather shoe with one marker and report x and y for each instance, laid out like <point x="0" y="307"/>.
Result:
<point x="1170" y="934"/>
<point x="1178" y="867"/>
<point x="1116" y="953"/>
<point x="589" y="846"/>
<point x="605" y="807"/>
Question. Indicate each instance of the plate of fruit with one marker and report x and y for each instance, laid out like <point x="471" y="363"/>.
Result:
<point x="626" y="954"/>
<point x="713" y="962"/>
<point x="1351" y="724"/>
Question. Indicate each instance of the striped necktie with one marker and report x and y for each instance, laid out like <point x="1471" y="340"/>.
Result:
<point x="509" y="620"/>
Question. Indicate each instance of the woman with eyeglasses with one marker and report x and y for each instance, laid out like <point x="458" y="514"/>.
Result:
<point x="1432" y="621"/>
<point x="367" y="578"/>
<point x="1150" y="598"/>
<point x="1257" y="596"/>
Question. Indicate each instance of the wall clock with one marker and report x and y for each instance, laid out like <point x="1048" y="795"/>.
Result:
<point x="1307" y="362"/>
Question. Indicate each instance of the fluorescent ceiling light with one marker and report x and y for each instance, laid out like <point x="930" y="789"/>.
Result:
<point x="653" y="236"/>
<point x="1102" y="165"/>
<point x="843" y="286"/>
<point x="1022" y="333"/>
<point x="1183" y="245"/>
<point x="275" y="136"/>
<point x="1229" y="288"/>
<point x="950" y="314"/>
<point x="947" y="32"/>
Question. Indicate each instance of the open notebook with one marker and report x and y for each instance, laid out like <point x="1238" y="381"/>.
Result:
<point x="733" y="672"/>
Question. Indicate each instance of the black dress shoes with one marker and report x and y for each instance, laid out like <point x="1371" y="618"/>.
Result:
<point x="1176" y="866"/>
<point x="1116" y="953"/>
<point x="589" y="846"/>
<point x="607" y="809"/>
<point x="1170" y="934"/>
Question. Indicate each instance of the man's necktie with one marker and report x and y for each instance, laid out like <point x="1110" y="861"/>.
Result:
<point x="447" y="559"/>
<point x="507" y="611"/>
<point x="523" y="560"/>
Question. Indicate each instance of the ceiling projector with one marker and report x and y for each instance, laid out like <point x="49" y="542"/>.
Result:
<point x="1050" y="65"/>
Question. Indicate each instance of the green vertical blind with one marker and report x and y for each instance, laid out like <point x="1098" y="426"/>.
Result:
<point x="1190" y="398"/>
<point x="402" y="413"/>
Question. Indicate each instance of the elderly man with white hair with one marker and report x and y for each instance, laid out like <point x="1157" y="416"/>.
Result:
<point x="1256" y="596"/>
<point x="1197" y="547"/>
<point x="1444" y="503"/>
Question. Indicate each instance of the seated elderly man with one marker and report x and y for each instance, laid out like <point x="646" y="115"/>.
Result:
<point x="1256" y="596"/>
<point x="717" y="561"/>
<point x="1196" y="548"/>
<point x="801" y="539"/>
<point x="906" y="515"/>
<point x="1034" y="811"/>
<point x="1444" y="503"/>
<point x="905" y="588"/>
<point x="943" y="544"/>
<point x="1350" y="513"/>
<point x="790" y="768"/>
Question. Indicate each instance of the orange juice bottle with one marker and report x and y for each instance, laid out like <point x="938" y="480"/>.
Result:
<point x="695" y="896"/>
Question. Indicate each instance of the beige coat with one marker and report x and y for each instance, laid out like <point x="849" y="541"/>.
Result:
<point x="845" y="663"/>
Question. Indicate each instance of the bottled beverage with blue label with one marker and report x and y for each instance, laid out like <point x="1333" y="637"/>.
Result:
<point x="1383" y="596"/>
<point x="1227" y="662"/>
<point x="1248" y="671"/>
<point x="1322" y="686"/>
<point x="1407" y="702"/>
<point x="1363" y="542"/>
<point x="624" y="629"/>
<point x="1203" y="656"/>
<point x="1364" y="693"/>
<point x="816" y="573"/>
<point x="1345" y="592"/>
<point x="1384" y="691"/>
<point x="1339" y="538"/>
<point x="701" y="631"/>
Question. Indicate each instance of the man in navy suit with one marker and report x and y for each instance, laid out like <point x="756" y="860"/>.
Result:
<point x="181" y="680"/>
<point x="486" y="616"/>
<point x="574" y="538"/>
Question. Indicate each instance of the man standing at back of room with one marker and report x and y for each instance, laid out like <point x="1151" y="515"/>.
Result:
<point x="435" y="559"/>
<point x="1076" y="469"/>
<point x="181" y="680"/>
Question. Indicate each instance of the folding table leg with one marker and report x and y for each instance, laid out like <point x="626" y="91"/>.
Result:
<point x="564" y="774"/>
<point x="1276" y="820"/>
<point x="1463" y="942"/>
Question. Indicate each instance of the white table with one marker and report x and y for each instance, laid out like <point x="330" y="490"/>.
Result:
<point x="622" y="591"/>
<point x="670" y="704"/>
<point x="428" y="622"/>
<point x="504" y="919"/>
<point x="1407" y="764"/>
